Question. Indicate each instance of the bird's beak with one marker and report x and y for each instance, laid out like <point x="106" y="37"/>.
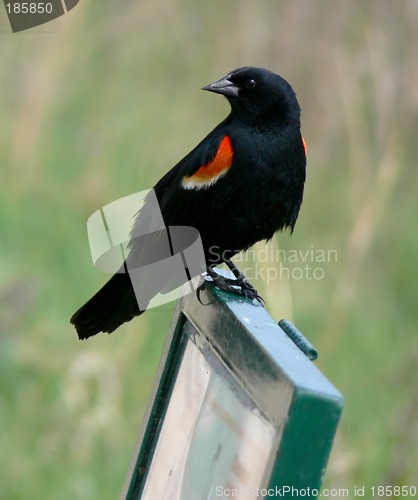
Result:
<point x="223" y="86"/>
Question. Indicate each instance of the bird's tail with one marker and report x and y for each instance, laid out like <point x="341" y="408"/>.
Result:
<point x="114" y="304"/>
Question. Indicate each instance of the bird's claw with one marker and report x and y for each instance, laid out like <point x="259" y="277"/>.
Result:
<point x="240" y="286"/>
<point x="199" y="290"/>
<point x="244" y="285"/>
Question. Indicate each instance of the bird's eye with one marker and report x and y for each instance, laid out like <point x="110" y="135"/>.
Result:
<point x="250" y="83"/>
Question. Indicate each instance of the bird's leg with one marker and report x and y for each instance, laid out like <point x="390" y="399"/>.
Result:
<point x="239" y="286"/>
<point x="241" y="280"/>
<point x="236" y="272"/>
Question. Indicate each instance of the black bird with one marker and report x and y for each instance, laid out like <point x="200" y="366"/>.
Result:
<point x="238" y="186"/>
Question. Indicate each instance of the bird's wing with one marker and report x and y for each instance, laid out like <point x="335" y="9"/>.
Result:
<point x="208" y="162"/>
<point x="173" y="202"/>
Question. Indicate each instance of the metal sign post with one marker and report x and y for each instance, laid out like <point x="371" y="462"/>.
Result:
<point x="238" y="410"/>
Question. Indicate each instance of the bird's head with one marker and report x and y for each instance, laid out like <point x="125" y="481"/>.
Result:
<point x="258" y="93"/>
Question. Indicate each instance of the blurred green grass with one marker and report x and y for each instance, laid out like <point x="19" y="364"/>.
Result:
<point x="99" y="104"/>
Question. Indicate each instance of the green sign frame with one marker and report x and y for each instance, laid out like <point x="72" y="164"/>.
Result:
<point x="237" y="409"/>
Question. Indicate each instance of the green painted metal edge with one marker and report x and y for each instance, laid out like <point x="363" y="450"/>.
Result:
<point x="306" y="443"/>
<point x="157" y="407"/>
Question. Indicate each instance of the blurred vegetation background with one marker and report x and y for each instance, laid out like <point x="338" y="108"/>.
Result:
<point x="99" y="104"/>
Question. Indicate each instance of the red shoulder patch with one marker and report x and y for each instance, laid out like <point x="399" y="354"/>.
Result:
<point x="208" y="174"/>
<point x="305" y="145"/>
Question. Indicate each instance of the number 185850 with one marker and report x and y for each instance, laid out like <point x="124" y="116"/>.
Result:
<point x="29" y="8"/>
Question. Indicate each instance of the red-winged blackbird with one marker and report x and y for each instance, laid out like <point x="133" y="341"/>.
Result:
<point x="240" y="185"/>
